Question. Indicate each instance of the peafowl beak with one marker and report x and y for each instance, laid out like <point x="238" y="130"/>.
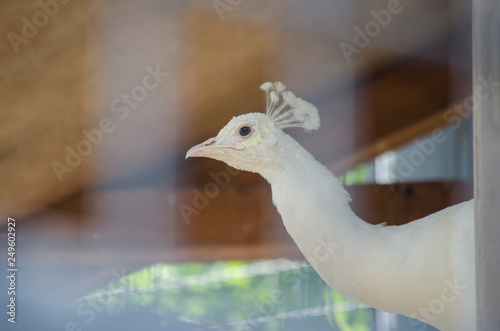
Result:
<point x="201" y="150"/>
<point x="208" y="148"/>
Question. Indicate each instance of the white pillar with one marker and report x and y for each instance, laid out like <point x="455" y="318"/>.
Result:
<point x="486" y="57"/>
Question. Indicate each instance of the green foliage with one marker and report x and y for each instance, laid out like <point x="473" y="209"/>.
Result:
<point x="221" y="294"/>
<point x="357" y="176"/>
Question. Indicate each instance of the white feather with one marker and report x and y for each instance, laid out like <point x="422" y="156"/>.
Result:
<point x="287" y="110"/>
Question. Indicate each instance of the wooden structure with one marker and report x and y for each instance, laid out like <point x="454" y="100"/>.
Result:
<point x="129" y="86"/>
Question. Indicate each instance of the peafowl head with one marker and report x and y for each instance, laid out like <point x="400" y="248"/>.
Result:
<point x="251" y="142"/>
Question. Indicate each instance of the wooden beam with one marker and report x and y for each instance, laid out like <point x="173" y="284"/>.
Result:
<point x="486" y="52"/>
<point x="401" y="137"/>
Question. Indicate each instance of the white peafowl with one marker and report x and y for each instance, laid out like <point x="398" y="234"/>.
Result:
<point x="423" y="269"/>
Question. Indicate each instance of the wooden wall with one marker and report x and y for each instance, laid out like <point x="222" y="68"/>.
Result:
<point x="119" y="206"/>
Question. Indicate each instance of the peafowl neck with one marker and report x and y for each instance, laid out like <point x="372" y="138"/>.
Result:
<point x="344" y="250"/>
<point x="379" y="266"/>
<point x="315" y="209"/>
<point x="303" y="185"/>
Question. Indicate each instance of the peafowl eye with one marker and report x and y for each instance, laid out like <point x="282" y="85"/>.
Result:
<point x="245" y="131"/>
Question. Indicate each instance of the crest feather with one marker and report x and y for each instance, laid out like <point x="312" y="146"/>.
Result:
<point x="287" y="110"/>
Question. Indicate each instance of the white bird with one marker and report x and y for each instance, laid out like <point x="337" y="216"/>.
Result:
<point x="423" y="269"/>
